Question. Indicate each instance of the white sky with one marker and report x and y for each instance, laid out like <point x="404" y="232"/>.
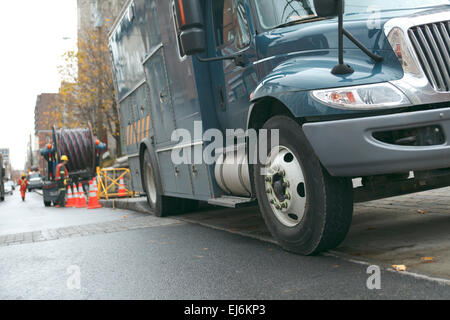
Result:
<point x="31" y="46"/>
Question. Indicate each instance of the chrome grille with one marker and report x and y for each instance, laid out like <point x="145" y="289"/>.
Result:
<point x="432" y="45"/>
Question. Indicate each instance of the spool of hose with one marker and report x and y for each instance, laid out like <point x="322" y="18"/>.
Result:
<point x="78" y="146"/>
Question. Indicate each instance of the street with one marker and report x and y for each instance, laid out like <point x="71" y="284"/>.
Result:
<point x="121" y="254"/>
<point x="225" y="150"/>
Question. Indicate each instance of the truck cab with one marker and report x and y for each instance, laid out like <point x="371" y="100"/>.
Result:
<point x="304" y="107"/>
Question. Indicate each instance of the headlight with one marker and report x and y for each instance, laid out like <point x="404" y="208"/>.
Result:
<point x="398" y="42"/>
<point x="367" y="97"/>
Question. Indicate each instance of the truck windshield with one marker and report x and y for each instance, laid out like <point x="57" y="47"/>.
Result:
<point x="274" y="13"/>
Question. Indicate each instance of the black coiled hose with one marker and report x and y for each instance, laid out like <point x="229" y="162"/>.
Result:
<point x="78" y="146"/>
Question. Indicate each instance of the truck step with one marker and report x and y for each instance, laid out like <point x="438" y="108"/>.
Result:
<point x="233" y="202"/>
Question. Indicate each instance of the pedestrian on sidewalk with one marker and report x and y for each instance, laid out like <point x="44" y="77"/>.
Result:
<point x="23" y="183"/>
<point x="61" y="177"/>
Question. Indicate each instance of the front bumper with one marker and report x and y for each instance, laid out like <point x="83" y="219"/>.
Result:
<point x="347" y="148"/>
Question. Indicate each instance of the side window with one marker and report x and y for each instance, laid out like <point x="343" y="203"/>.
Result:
<point x="177" y="32"/>
<point x="230" y="24"/>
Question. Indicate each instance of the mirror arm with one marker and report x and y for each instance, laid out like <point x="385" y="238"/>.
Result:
<point x="343" y="68"/>
<point x="215" y="58"/>
<point x="238" y="59"/>
<point x="372" y="55"/>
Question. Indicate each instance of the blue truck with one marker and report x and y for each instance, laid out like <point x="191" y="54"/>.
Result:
<point x="346" y="101"/>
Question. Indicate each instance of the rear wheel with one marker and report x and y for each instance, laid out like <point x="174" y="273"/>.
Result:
<point x="47" y="203"/>
<point x="161" y="205"/>
<point x="306" y="210"/>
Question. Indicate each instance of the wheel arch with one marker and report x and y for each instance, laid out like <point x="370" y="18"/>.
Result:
<point x="143" y="147"/>
<point x="265" y="108"/>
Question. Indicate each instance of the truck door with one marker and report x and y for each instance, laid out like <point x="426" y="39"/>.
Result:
<point x="232" y="84"/>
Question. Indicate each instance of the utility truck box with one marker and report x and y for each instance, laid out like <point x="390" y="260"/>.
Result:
<point x="304" y="107"/>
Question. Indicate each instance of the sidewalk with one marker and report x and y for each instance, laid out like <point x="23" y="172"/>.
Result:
<point x="136" y="204"/>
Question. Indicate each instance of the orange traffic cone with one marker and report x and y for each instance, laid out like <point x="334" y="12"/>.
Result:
<point x="76" y="197"/>
<point x="82" y="197"/>
<point x="96" y="188"/>
<point x="122" y="191"/>
<point x="93" y="200"/>
<point x="69" y="202"/>
<point x="94" y="181"/>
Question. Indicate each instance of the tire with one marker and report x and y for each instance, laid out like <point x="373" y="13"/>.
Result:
<point x="307" y="211"/>
<point x="160" y="205"/>
<point x="47" y="203"/>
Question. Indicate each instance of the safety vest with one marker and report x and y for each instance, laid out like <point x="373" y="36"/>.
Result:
<point x="61" y="171"/>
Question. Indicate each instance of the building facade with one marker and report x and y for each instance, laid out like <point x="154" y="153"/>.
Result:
<point x="97" y="13"/>
<point x="43" y="123"/>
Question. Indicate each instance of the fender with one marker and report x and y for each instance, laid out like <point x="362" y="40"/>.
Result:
<point x="145" y="143"/>
<point x="292" y="80"/>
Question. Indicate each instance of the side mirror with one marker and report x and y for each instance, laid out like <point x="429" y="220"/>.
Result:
<point x="326" y="8"/>
<point x="190" y="21"/>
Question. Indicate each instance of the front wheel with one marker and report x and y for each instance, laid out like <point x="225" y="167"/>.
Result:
<point x="306" y="210"/>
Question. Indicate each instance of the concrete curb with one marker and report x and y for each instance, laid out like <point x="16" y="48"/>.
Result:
<point x="136" y="205"/>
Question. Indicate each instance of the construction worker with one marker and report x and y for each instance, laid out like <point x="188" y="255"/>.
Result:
<point x="23" y="183"/>
<point x="61" y="177"/>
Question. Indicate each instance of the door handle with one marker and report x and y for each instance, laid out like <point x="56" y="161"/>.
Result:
<point x="222" y="103"/>
<point x="162" y="96"/>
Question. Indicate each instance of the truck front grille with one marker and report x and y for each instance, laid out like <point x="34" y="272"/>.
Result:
<point x="432" y="45"/>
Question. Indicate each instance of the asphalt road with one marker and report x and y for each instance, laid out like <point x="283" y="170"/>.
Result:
<point x="113" y="254"/>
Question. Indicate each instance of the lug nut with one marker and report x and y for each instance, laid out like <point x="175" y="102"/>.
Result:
<point x="284" y="205"/>
<point x="272" y="201"/>
<point x="286" y="184"/>
<point x="268" y="179"/>
<point x="269" y="191"/>
<point x="278" y="207"/>
<point x="288" y="196"/>
<point x="283" y="173"/>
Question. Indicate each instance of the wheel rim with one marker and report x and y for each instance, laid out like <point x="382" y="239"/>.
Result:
<point x="285" y="186"/>
<point x="150" y="181"/>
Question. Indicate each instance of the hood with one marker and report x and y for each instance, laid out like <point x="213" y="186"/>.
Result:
<point x="323" y="34"/>
<point x="315" y="37"/>
<point x="301" y="57"/>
